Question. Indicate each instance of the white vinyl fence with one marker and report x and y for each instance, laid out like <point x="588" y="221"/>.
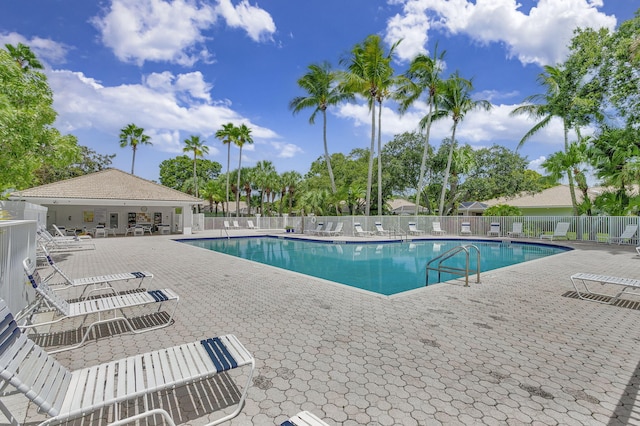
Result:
<point x="582" y="228"/>
<point x="17" y="242"/>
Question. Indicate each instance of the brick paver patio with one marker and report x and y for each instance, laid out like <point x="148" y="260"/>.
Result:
<point x="515" y="349"/>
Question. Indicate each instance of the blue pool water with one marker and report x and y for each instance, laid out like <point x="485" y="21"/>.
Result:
<point x="382" y="267"/>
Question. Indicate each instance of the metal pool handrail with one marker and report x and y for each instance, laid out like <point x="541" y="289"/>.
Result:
<point x="452" y="269"/>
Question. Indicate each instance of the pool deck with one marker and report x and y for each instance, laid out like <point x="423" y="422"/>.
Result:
<point x="515" y="349"/>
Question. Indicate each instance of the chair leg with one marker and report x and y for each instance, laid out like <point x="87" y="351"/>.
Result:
<point x="5" y="410"/>
<point x="242" y="399"/>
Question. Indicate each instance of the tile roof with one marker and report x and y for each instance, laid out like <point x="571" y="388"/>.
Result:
<point x="557" y="196"/>
<point x="400" y="204"/>
<point x="108" y="184"/>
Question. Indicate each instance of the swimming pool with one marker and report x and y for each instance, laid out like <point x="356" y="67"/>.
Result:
<point x="383" y="267"/>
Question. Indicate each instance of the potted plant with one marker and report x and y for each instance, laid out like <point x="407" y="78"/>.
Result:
<point x="289" y="229"/>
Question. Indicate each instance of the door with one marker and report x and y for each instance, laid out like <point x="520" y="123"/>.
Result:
<point x="51" y="218"/>
<point x="113" y="220"/>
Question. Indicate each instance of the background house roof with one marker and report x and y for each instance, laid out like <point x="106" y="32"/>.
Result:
<point x="402" y="206"/>
<point x="557" y="196"/>
<point x="111" y="186"/>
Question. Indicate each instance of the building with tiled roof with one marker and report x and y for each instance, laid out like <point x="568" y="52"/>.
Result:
<point x="113" y="197"/>
<point x="403" y="207"/>
<point x="555" y="201"/>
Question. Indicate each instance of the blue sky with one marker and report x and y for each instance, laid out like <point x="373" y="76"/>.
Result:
<point x="186" y="67"/>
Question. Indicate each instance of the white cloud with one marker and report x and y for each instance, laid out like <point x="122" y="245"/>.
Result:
<point x="479" y="128"/>
<point x="411" y="28"/>
<point x="172" y="31"/>
<point x="156" y="30"/>
<point x="539" y="37"/>
<point x="286" y="150"/>
<point x="157" y="104"/>
<point x="536" y="165"/>
<point x="190" y="85"/>
<point x="492" y="95"/>
<point x="255" y="21"/>
<point x="46" y="50"/>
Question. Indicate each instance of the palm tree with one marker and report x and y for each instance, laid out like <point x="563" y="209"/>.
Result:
<point x="23" y="55"/>
<point x="132" y="135"/>
<point x="263" y="172"/>
<point x="615" y="156"/>
<point x="242" y="135"/>
<point x="247" y="177"/>
<point x="463" y="161"/>
<point x="322" y="90"/>
<point x="455" y="102"/>
<point x="384" y="91"/>
<point x="559" y="100"/>
<point x="368" y="70"/>
<point x="291" y="180"/>
<point x="227" y="136"/>
<point x="314" y="201"/>
<point x="213" y="192"/>
<point x="197" y="146"/>
<point x="422" y="76"/>
<point x="274" y="182"/>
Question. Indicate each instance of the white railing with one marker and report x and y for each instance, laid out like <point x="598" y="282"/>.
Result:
<point x="17" y="242"/>
<point x="582" y="228"/>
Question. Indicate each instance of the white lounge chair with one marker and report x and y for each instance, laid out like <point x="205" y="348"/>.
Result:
<point x="380" y="230"/>
<point x="413" y="230"/>
<point x="327" y="230"/>
<point x="63" y="244"/>
<point x="588" y="294"/>
<point x="138" y="231"/>
<point x="436" y="229"/>
<point x="516" y="230"/>
<point x="250" y="224"/>
<point x="113" y="305"/>
<point x="226" y="225"/>
<point x="359" y="232"/>
<point x="100" y="231"/>
<point x="61" y="232"/>
<point x="336" y="231"/>
<point x="317" y="230"/>
<point x="627" y="234"/>
<point x="465" y="228"/>
<point x="236" y="225"/>
<point x="560" y="232"/>
<point x="304" y="418"/>
<point x="494" y="231"/>
<point x="92" y="284"/>
<point x="65" y="395"/>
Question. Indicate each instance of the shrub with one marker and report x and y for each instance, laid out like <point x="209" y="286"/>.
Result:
<point x="502" y="210"/>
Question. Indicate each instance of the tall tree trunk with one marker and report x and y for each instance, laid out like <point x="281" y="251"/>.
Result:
<point x="572" y="187"/>
<point x="290" y="200"/>
<point x="195" y="176"/>
<point x="247" y="194"/>
<point x="445" y="181"/>
<point x="371" y="152"/>
<point x="133" y="159"/>
<point x="380" y="158"/>
<point x="262" y="201"/>
<point x="239" y="170"/>
<point x="423" y="165"/>
<point x="327" y="158"/>
<point x="228" y="163"/>
<point x="282" y="194"/>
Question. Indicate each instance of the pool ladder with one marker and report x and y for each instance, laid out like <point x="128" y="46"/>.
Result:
<point x="397" y="233"/>
<point x="440" y="267"/>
